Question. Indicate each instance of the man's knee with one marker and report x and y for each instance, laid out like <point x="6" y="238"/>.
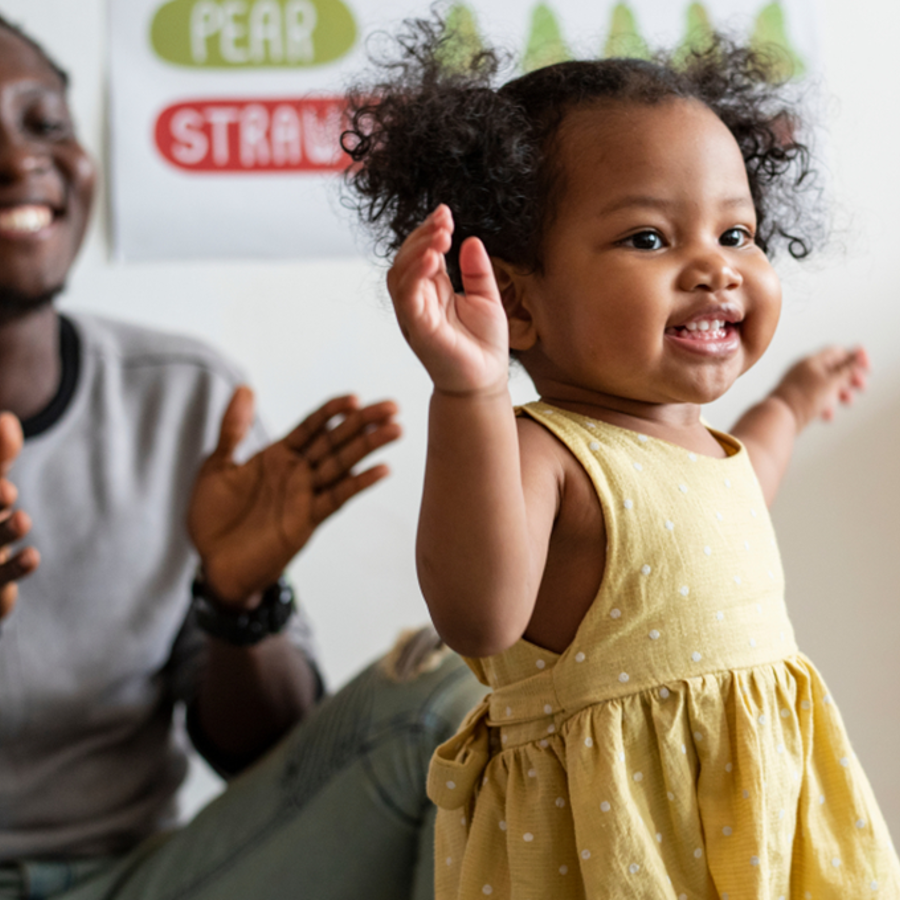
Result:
<point x="384" y="725"/>
<point x="412" y="715"/>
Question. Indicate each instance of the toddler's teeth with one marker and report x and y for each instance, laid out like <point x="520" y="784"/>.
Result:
<point x="707" y="326"/>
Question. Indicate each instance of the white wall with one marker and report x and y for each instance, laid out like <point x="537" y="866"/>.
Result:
<point x="307" y="330"/>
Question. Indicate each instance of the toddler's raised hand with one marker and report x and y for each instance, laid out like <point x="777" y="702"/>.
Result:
<point x="813" y="387"/>
<point x="461" y="339"/>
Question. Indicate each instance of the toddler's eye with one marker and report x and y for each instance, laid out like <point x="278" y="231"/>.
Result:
<point x="644" y="240"/>
<point x="735" y="237"/>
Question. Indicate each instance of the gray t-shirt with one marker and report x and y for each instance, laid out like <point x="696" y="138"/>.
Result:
<point x="100" y="646"/>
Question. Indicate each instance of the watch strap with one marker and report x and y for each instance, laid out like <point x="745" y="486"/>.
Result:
<point x="243" y="627"/>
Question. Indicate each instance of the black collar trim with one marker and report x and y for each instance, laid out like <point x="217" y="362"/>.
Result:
<point x="70" y="358"/>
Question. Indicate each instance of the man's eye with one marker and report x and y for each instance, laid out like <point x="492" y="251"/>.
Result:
<point x="735" y="237"/>
<point x="50" y="127"/>
<point x="644" y="240"/>
<point x="46" y="123"/>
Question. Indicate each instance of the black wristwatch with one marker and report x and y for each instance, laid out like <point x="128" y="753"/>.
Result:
<point x="242" y="627"/>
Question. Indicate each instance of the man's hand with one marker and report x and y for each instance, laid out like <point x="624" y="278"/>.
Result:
<point x="248" y="521"/>
<point x="14" y="524"/>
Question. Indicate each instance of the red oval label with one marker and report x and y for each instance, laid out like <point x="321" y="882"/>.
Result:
<point x="254" y="136"/>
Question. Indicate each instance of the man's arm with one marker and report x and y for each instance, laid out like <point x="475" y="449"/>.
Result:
<point x="250" y="697"/>
<point x="247" y="522"/>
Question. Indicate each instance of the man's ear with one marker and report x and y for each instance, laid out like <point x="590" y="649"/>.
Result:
<point x="511" y="283"/>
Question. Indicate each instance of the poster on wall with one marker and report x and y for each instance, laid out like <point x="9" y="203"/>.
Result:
<point x="226" y="114"/>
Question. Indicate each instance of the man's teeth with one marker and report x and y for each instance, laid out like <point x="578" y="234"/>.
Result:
<point x="25" y="219"/>
<point x="706" y="325"/>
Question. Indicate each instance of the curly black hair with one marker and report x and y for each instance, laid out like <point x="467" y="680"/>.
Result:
<point x="432" y="132"/>
<point x="19" y="33"/>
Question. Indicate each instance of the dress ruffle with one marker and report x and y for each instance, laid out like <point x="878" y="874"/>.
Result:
<point x="739" y="784"/>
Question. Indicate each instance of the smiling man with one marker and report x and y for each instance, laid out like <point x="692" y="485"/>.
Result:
<point x="112" y="467"/>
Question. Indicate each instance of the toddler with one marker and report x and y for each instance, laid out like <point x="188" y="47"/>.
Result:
<point x="602" y="556"/>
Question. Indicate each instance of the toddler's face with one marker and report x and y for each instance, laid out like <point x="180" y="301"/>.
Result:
<point x="652" y="287"/>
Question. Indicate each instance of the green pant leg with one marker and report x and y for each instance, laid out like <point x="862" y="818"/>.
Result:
<point x="336" y="812"/>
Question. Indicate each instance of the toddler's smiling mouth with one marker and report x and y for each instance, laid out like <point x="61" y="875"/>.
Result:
<point x="704" y="329"/>
<point x="711" y="333"/>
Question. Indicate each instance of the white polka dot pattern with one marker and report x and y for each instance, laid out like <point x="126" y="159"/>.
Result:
<point x="692" y="597"/>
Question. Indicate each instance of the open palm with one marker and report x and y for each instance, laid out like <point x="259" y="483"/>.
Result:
<point x="248" y="520"/>
<point x="461" y="339"/>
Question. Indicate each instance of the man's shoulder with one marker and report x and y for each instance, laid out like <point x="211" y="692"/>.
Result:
<point x="138" y="349"/>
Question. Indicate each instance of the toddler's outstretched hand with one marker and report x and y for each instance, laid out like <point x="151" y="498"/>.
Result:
<point x="813" y="387"/>
<point x="461" y="339"/>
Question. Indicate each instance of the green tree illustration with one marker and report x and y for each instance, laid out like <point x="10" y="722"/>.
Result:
<point x="697" y="33"/>
<point x="623" y="38"/>
<point x="770" y="36"/>
<point x="463" y="42"/>
<point x="546" y="44"/>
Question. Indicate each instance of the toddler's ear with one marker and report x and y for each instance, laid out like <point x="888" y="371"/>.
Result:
<point x="522" y="333"/>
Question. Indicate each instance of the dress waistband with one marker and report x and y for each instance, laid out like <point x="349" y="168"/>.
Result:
<point x="533" y="710"/>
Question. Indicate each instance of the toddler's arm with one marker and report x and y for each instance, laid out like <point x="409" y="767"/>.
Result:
<point x="480" y="550"/>
<point x="810" y="389"/>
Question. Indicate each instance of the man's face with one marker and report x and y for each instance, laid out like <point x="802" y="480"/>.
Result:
<point x="46" y="180"/>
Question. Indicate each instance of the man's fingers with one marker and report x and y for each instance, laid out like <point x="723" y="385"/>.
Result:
<point x="330" y="441"/>
<point x="332" y="499"/>
<point x="14" y="526"/>
<point x="337" y="464"/>
<point x="8" y="595"/>
<point x="19" y="566"/>
<point x="10" y="441"/>
<point x="236" y="422"/>
<point x="311" y="427"/>
<point x="9" y="493"/>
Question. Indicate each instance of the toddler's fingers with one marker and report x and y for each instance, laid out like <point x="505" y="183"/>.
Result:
<point x="430" y="233"/>
<point x="421" y="256"/>
<point x="862" y="359"/>
<point x="411" y="289"/>
<point x="476" y="270"/>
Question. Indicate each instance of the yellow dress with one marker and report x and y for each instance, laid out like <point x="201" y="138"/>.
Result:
<point x="681" y="748"/>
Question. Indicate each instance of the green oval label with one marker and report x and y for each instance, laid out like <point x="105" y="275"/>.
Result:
<point x="228" y="34"/>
